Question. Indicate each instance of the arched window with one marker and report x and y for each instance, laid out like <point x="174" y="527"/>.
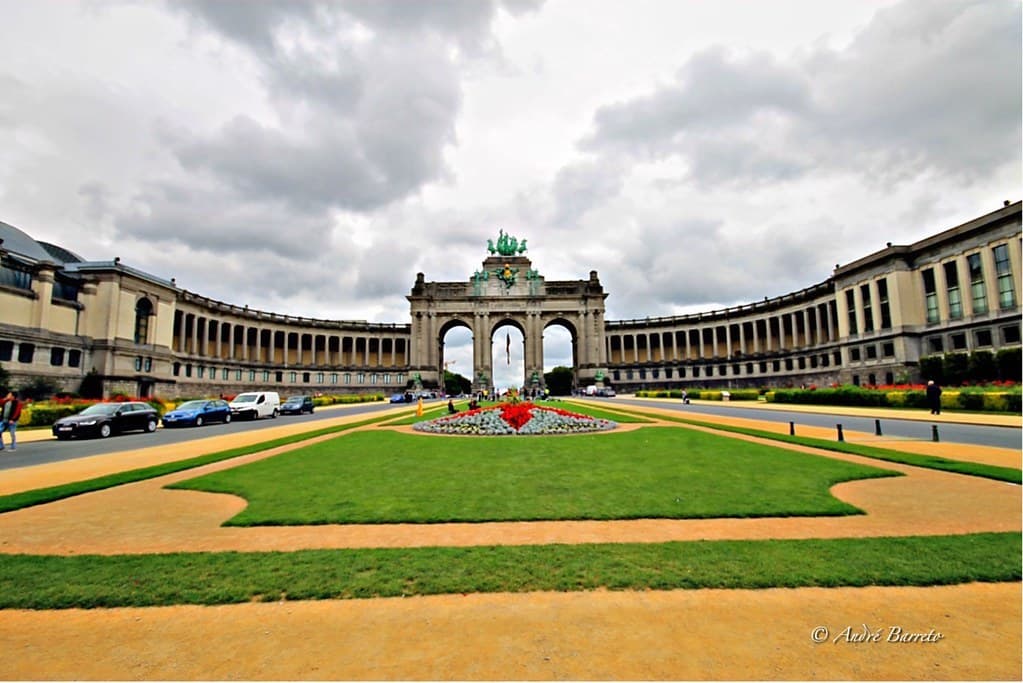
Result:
<point x="143" y="309"/>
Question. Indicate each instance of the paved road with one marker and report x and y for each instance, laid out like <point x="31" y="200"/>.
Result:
<point x="977" y="435"/>
<point x="52" y="450"/>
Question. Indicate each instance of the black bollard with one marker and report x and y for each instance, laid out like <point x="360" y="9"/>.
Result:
<point x="877" y="428"/>
<point x="840" y="436"/>
<point x="792" y="428"/>
<point x="934" y="433"/>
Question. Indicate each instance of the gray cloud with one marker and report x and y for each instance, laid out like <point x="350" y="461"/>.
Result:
<point x="894" y="103"/>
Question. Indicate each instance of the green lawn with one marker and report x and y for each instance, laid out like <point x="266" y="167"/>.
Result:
<point x="653" y="472"/>
<point x="61" y="582"/>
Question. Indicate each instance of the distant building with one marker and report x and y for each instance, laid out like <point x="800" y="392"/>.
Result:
<point x="869" y="323"/>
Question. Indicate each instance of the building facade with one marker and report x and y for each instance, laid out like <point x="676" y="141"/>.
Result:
<point x="62" y="318"/>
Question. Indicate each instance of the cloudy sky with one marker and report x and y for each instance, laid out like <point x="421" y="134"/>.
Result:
<point x="311" y="157"/>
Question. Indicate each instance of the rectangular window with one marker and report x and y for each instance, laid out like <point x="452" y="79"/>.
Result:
<point x="319" y="378"/>
<point x="147" y="365"/>
<point x="936" y="345"/>
<point x="237" y="375"/>
<point x="1010" y="334"/>
<point x="983" y="337"/>
<point x="888" y="350"/>
<point x="188" y="369"/>
<point x="252" y="375"/>
<point x="266" y="375"/>
<point x="200" y="371"/>
<point x="930" y="295"/>
<point x="955" y="301"/>
<point x="225" y="374"/>
<point x="868" y="309"/>
<point x="871" y="352"/>
<point x="279" y="376"/>
<point x="1003" y="269"/>
<point x="850" y="303"/>
<point x="361" y="378"/>
<point x="763" y="366"/>
<point x="305" y="377"/>
<point x="977" y="291"/>
<point x="854" y="353"/>
<point x="386" y="378"/>
<point x="6" y="350"/>
<point x="959" y="341"/>
<point x="56" y="356"/>
<point x="74" y="358"/>
<point x="372" y="378"/>
<point x="333" y="378"/>
<point x="886" y="310"/>
<point x="292" y="377"/>
<point x="348" y="378"/>
<point x="825" y="360"/>
<point x="26" y="352"/>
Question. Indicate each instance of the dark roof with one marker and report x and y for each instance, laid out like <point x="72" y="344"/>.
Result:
<point x="60" y="254"/>
<point x="17" y="242"/>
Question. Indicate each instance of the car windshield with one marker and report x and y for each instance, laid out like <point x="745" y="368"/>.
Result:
<point x="298" y="399"/>
<point x="101" y="409"/>
<point x="244" y="398"/>
<point x="192" y="405"/>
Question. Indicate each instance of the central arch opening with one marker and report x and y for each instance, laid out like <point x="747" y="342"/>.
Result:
<point x="508" y="354"/>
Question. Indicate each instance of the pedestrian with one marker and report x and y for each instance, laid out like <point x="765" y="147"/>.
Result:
<point x="934" y="397"/>
<point x="9" y="415"/>
<point x="451" y="406"/>
<point x="685" y="396"/>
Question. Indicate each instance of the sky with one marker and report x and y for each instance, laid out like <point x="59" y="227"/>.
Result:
<point x="309" y="158"/>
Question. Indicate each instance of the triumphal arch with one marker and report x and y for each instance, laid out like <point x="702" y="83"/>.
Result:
<point x="507" y="290"/>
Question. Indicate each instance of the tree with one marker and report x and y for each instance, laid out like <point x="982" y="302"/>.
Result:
<point x="92" y="385"/>
<point x="559" y="380"/>
<point x="455" y="384"/>
<point x="39" y="389"/>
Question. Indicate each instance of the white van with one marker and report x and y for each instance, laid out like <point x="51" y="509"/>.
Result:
<point x="256" y="404"/>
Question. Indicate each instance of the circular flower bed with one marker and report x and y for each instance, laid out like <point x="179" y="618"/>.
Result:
<point x="515" y="418"/>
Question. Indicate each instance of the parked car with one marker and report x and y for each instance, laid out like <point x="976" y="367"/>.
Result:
<point x="104" y="419"/>
<point x="401" y="398"/>
<point x="296" y="405"/>
<point x="255" y="404"/>
<point x="198" y="413"/>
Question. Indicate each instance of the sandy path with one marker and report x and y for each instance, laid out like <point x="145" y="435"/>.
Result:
<point x="657" y="635"/>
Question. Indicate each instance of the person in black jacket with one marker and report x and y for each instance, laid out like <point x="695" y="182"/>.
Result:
<point x="934" y="397"/>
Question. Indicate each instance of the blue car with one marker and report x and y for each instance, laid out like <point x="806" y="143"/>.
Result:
<point x="198" y="413"/>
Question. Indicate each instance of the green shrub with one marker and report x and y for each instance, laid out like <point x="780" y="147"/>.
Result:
<point x="1008" y="364"/>
<point x="995" y="402"/>
<point x="955" y="367"/>
<point x="981" y="367"/>
<point x="931" y="367"/>
<point x="44" y="414"/>
<point x="745" y="394"/>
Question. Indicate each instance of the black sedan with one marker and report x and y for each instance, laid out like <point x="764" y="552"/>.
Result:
<point x="197" y="413"/>
<point x="104" y="419"/>
<point x="296" y="405"/>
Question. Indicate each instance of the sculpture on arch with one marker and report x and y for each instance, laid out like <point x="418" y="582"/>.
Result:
<point x="506" y="245"/>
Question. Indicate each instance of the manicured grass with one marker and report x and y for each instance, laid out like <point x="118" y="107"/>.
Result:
<point x="24" y="499"/>
<point x="1009" y="474"/>
<point x="61" y="582"/>
<point x="652" y="472"/>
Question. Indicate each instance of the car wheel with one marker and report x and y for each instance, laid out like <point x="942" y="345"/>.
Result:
<point x="105" y="430"/>
<point x="198" y="422"/>
<point x="63" y="437"/>
<point x="275" y="413"/>
<point x="227" y="419"/>
<point x="151" y="426"/>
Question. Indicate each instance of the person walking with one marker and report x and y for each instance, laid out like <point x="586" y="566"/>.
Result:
<point x="9" y="415"/>
<point x="934" y="397"/>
